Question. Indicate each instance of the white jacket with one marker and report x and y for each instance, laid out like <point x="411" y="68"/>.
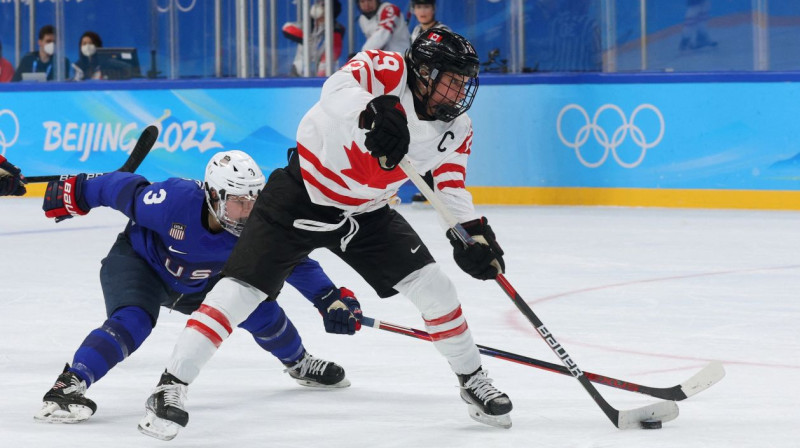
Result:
<point x="386" y="30"/>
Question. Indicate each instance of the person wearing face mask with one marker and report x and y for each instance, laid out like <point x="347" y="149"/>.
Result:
<point x="41" y="61"/>
<point x="294" y="32"/>
<point x="87" y="66"/>
<point x="6" y="69"/>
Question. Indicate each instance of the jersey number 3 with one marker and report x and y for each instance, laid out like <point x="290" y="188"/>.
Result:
<point x="151" y="198"/>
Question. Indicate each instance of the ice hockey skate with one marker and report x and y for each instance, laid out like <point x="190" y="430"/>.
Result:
<point x="486" y="404"/>
<point x="164" y="412"/>
<point x="314" y="372"/>
<point x="65" y="401"/>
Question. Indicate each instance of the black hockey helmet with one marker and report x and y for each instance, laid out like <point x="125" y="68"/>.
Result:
<point x="423" y="2"/>
<point x="432" y="54"/>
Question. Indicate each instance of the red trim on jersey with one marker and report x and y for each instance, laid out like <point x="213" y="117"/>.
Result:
<point x="346" y="200"/>
<point x="450" y="168"/>
<point x="205" y="331"/>
<point x="312" y="158"/>
<point x="355" y="73"/>
<point x="466" y="145"/>
<point x="369" y="77"/>
<point x="451" y="184"/>
<point x="449" y="333"/>
<point x="388" y="73"/>
<point x="354" y="66"/>
<point x="445" y="319"/>
<point x="388" y="16"/>
<point x="217" y="316"/>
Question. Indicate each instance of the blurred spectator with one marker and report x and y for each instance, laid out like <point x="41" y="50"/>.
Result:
<point x="88" y="67"/>
<point x="41" y="61"/>
<point x="574" y="38"/>
<point x="383" y="25"/>
<point x="294" y="32"/>
<point x="694" y="26"/>
<point x="425" y="11"/>
<point x="6" y="69"/>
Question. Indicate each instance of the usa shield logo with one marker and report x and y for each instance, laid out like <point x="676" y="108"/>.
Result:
<point x="177" y="231"/>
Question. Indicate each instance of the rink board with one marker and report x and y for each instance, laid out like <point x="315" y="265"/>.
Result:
<point x="538" y="139"/>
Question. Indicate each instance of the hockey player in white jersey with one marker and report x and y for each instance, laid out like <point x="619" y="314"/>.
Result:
<point x="384" y="26"/>
<point x="334" y="194"/>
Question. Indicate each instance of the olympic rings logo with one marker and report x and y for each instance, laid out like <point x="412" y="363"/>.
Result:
<point x="591" y="127"/>
<point x="5" y="142"/>
<point x="177" y="3"/>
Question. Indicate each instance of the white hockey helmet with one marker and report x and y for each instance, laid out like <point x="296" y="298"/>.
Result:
<point x="232" y="182"/>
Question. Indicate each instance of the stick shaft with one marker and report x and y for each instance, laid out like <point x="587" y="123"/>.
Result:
<point x="143" y="145"/>
<point x="667" y="393"/>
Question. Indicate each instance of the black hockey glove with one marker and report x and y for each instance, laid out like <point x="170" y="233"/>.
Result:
<point x="388" y="137"/>
<point x="482" y="260"/>
<point x="63" y="199"/>
<point x="341" y="312"/>
<point x="13" y="183"/>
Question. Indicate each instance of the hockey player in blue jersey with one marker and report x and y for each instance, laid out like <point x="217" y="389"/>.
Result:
<point x="170" y="254"/>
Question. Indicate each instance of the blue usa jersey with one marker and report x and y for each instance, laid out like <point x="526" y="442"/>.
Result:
<point x="166" y="229"/>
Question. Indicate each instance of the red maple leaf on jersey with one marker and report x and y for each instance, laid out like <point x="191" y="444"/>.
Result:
<point x="365" y="170"/>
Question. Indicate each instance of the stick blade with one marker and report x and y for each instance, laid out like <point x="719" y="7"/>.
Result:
<point x="705" y="378"/>
<point x="146" y="141"/>
<point x="663" y="411"/>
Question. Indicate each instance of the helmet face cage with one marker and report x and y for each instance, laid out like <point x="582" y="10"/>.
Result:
<point x="453" y="94"/>
<point x="232" y="182"/>
<point x="446" y="64"/>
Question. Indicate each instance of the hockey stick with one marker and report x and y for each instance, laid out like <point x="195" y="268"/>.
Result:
<point x="644" y="417"/>
<point x="700" y="381"/>
<point x="146" y="141"/>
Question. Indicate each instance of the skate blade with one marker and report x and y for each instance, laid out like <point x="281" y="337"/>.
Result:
<point x="499" y="421"/>
<point x="308" y="383"/>
<point x="158" y="428"/>
<point x="53" y="413"/>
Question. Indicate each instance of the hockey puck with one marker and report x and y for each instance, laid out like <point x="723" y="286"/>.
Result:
<point x="650" y="424"/>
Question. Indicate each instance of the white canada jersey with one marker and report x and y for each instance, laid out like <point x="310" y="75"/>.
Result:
<point x="386" y="30"/>
<point x="337" y="168"/>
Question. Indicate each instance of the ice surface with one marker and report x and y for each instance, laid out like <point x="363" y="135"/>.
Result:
<point x="646" y="295"/>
